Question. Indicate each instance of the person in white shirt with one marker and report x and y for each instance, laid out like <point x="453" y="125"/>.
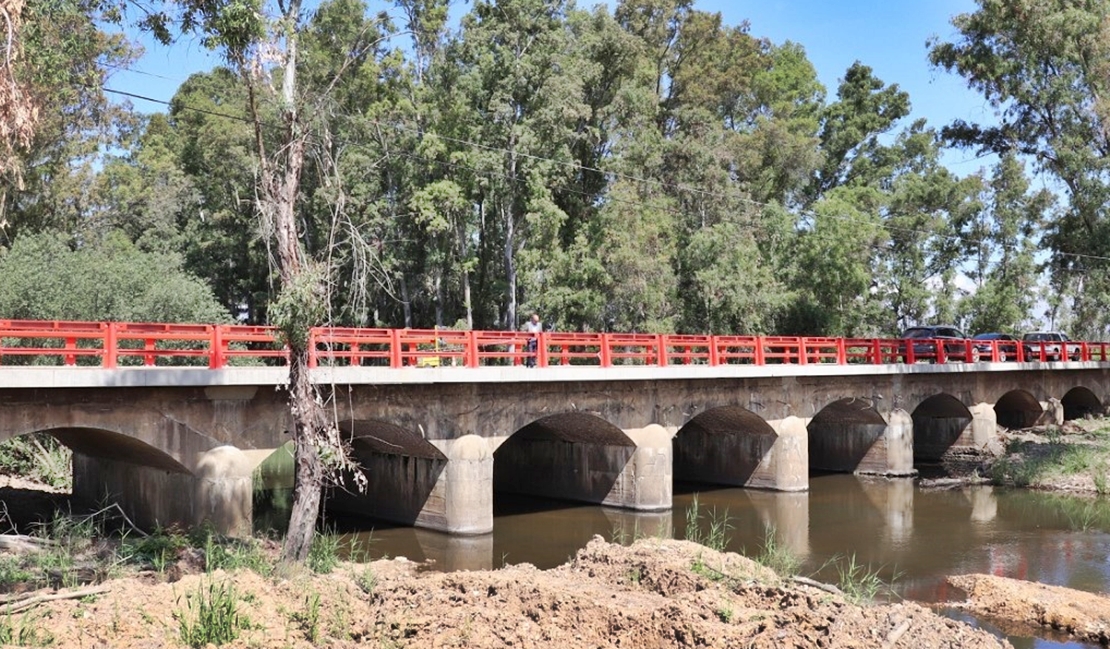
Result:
<point x="533" y="326"/>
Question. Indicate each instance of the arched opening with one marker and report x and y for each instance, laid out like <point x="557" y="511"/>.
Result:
<point x="570" y="456"/>
<point x="842" y="434"/>
<point x="402" y="472"/>
<point x="1017" y="409"/>
<point x="1079" y="403"/>
<point x="938" y="424"/>
<point x="722" y="446"/>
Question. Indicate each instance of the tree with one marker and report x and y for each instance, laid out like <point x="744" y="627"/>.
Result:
<point x="1003" y="239"/>
<point x="262" y="45"/>
<point x="46" y="277"/>
<point x="1045" y="69"/>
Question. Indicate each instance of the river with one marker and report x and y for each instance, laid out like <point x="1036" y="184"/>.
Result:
<point x="909" y="536"/>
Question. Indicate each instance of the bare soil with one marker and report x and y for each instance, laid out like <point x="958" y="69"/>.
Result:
<point x="653" y="594"/>
<point x="1084" y="616"/>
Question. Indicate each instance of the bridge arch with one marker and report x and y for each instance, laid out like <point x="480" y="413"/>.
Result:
<point x="938" y="424"/>
<point x="843" y="433"/>
<point x="568" y="456"/>
<point x="1080" y="402"/>
<point x="402" y="469"/>
<point x="723" y="445"/>
<point x="1018" y="408"/>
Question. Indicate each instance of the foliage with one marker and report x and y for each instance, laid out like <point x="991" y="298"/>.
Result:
<point x="46" y="278"/>
<point x="776" y="556"/>
<point x="1042" y="68"/>
<point x="210" y="615"/>
<point x="716" y="537"/>
<point x="860" y="584"/>
<point x="323" y="557"/>
<point x="37" y="457"/>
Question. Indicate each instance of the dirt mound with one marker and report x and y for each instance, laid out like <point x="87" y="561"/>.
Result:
<point x="1085" y="616"/>
<point x="653" y="594"/>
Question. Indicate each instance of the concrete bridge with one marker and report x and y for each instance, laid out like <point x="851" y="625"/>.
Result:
<point x="182" y="445"/>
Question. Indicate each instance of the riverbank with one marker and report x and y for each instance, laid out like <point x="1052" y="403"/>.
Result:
<point x="1073" y="457"/>
<point x="654" y="593"/>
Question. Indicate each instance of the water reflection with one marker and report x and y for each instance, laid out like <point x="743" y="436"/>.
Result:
<point x="917" y="536"/>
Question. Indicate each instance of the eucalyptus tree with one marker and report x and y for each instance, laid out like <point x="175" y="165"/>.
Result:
<point x="263" y="44"/>
<point x="58" y="113"/>
<point x="1044" y="67"/>
<point x="1003" y="240"/>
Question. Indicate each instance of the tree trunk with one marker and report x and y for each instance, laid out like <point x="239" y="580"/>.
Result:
<point x="308" y="471"/>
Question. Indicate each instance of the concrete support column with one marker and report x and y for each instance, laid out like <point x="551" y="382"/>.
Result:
<point x="785" y="466"/>
<point x="468" y="488"/>
<point x="218" y="494"/>
<point x="1053" y="413"/>
<point x="892" y="453"/>
<point x="984" y="425"/>
<point x="645" y="483"/>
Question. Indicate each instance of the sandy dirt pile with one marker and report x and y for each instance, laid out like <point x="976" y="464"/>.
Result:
<point x="1085" y="616"/>
<point x="653" y="594"/>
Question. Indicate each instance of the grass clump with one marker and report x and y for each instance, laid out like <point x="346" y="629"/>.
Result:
<point x="210" y="616"/>
<point x="38" y="457"/>
<point x="776" y="556"/>
<point x="718" y="524"/>
<point x="25" y="631"/>
<point x="323" y="556"/>
<point x="860" y="584"/>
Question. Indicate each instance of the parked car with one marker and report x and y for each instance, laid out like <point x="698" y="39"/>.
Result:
<point x="1007" y="345"/>
<point x="1052" y="343"/>
<point x="926" y="339"/>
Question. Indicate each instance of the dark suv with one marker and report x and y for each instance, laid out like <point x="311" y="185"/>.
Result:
<point x="926" y="340"/>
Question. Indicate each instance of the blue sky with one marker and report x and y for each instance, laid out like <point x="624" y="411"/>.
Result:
<point x="888" y="35"/>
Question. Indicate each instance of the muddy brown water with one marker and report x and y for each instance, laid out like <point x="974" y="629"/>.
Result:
<point x="911" y="536"/>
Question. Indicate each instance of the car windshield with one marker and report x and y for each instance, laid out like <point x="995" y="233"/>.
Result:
<point x="1042" y="336"/>
<point x="918" y="333"/>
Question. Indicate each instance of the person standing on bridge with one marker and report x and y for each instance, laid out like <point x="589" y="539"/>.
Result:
<point x="534" y="327"/>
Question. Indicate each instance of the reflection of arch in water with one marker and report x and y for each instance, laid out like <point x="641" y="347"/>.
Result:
<point x="1080" y="402"/>
<point x="842" y="434"/>
<point x="938" y="424"/>
<point x="569" y="456"/>
<point x="1018" y="409"/>
<point x="722" y="446"/>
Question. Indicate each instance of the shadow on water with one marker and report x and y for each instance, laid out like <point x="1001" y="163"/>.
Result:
<point x="918" y="536"/>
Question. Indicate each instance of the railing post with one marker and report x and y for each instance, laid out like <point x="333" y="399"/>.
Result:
<point x="313" y="361"/>
<point x="661" y="341"/>
<point x="760" y="359"/>
<point x="605" y="352"/>
<point x="541" y="349"/>
<point x="471" y="359"/>
<point x="714" y="352"/>
<point x="941" y="356"/>
<point x="876" y="351"/>
<point x="216" y="348"/>
<point x="841" y="351"/>
<point x="395" y="348"/>
<point x="111" y="345"/>
<point x="803" y="353"/>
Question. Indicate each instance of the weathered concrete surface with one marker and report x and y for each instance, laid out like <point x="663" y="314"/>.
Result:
<point x="150" y="432"/>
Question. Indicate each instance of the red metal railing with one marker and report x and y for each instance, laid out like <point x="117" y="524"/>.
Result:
<point x="123" y="344"/>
